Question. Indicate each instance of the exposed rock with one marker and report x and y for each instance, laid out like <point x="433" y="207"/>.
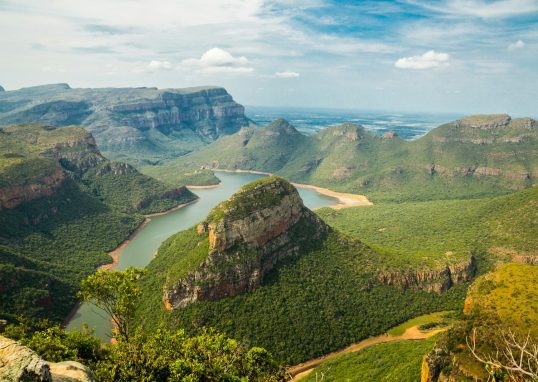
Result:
<point x="70" y="371"/>
<point x="20" y="364"/>
<point x="11" y="197"/>
<point x="431" y="280"/>
<point x="248" y="235"/>
<point x="486" y="122"/>
<point x="389" y="135"/>
<point x="433" y="364"/>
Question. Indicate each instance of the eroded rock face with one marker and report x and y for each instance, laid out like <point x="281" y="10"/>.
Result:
<point x="248" y="235"/>
<point x="432" y="280"/>
<point x="11" y="197"/>
<point x="20" y="364"/>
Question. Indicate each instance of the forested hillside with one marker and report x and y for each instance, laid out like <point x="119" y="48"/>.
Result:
<point x="63" y="206"/>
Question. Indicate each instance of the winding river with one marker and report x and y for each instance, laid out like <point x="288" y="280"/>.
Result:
<point x="142" y="247"/>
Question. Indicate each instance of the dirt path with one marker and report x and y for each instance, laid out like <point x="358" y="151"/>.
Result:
<point x="303" y="369"/>
<point x="344" y="199"/>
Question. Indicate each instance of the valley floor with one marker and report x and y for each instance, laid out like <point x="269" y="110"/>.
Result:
<point x="302" y="370"/>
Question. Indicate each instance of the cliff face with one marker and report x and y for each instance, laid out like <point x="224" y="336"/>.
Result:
<point x="432" y="280"/>
<point x="131" y="123"/>
<point x="248" y="235"/>
<point x="20" y="364"/>
<point x="11" y="197"/>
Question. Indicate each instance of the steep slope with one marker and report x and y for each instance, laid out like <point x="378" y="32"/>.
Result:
<point x="473" y="157"/>
<point x="267" y="270"/>
<point x="131" y="124"/>
<point x="63" y="206"/>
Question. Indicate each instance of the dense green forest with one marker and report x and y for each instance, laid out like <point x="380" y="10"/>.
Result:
<point x="307" y="306"/>
<point x="78" y="207"/>
<point x="420" y="234"/>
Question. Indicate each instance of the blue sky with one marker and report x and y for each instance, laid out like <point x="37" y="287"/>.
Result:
<point x="437" y="56"/>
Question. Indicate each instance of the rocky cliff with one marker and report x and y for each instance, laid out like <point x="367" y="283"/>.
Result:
<point x="434" y="280"/>
<point x="131" y="123"/>
<point x="20" y="364"/>
<point x="248" y="235"/>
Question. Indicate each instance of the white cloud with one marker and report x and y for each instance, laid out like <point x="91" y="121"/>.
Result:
<point x="428" y="60"/>
<point x="286" y="74"/>
<point x="153" y="66"/>
<point x="217" y="60"/>
<point x="159" y="65"/>
<point x="516" y="45"/>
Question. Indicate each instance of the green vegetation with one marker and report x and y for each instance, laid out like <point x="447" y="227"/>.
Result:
<point x="50" y="242"/>
<point x="497" y="303"/>
<point x="398" y="361"/>
<point x="318" y="302"/>
<point x="146" y="356"/>
<point x="252" y="197"/>
<point x="425" y="321"/>
<point x="438" y="232"/>
<point x="457" y="160"/>
<point x="172" y="176"/>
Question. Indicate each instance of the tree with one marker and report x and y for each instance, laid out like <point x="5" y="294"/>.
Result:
<point x="515" y="359"/>
<point x="116" y="292"/>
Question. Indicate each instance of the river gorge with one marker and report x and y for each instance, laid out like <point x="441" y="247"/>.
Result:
<point x="141" y="248"/>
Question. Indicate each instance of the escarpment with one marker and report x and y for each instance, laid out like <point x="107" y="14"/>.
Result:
<point x="433" y="280"/>
<point x="264" y="223"/>
<point x="133" y="124"/>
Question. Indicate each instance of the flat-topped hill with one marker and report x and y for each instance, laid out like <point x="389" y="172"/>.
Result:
<point x="133" y="124"/>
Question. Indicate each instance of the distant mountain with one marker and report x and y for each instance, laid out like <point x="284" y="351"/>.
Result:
<point x="265" y="269"/>
<point x="472" y="157"/>
<point x="62" y="207"/>
<point x="131" y="124"/>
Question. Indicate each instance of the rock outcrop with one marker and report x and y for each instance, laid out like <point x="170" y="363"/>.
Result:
<point x="432" y="280"/>
<point x="130" y="122"/>
<point x="248" y="235"/>
<point x="11" y="197"/>
<point x="20" y="364"/>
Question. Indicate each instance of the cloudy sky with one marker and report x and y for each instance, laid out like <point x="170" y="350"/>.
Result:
<point x="470" y="56"/>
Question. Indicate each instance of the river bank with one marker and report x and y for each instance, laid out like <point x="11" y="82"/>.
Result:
<point x="344" y="199"/>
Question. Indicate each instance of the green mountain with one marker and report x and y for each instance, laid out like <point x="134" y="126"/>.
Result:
<point x="266" y="270"/>
<point x="63" y="206"/>
<point x="137" y="125"/>
<point x="472" y="157"/>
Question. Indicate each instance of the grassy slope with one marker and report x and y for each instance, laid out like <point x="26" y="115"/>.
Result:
<point x="503" y="299"/>
<point x="63" y="237"/>
<point x="390" y="362"/>
<point x="347" y="158"/>
<point x="428" y="232"/>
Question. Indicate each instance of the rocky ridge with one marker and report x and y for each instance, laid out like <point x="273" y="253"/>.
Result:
<point x="434" y="280"/>
<point x="248" y="235"/>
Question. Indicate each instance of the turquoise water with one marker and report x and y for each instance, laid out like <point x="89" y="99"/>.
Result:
<point x="141" y="249"/>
